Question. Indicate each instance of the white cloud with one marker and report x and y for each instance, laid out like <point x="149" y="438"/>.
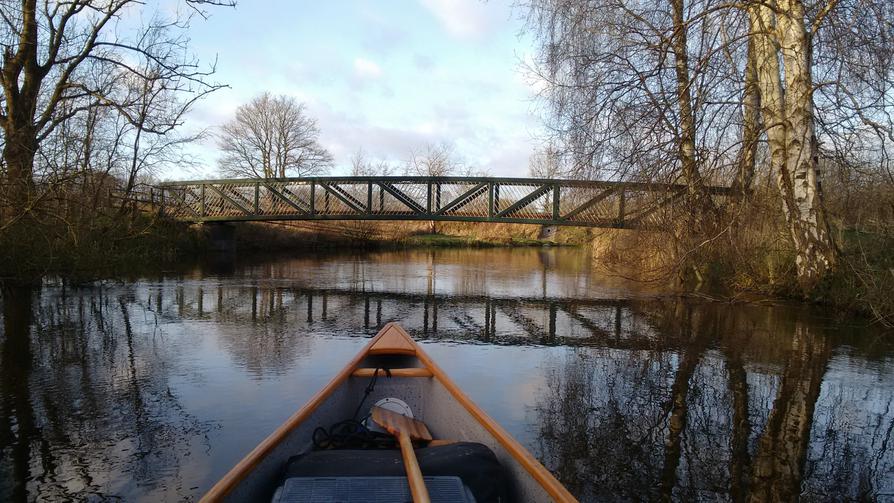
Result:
<point x="462" y="19"/>
<point x="426" y="128"/>
<point x="365" y="68"/>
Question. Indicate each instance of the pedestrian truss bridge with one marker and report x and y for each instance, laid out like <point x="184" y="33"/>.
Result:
<point x="464" y="199"/>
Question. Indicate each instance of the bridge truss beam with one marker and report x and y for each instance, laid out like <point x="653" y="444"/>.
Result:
<point x="465" y="199"/>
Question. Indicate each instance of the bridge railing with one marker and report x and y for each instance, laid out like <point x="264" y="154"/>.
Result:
<point x="471" y="199"/>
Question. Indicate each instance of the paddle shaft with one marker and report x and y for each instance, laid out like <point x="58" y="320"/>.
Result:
<point x="414" y="474"/>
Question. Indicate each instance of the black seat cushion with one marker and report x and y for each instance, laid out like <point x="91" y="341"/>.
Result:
<point x="474" y="463"/>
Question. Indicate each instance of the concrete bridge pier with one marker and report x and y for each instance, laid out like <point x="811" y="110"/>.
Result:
<point x="221" y="237"/>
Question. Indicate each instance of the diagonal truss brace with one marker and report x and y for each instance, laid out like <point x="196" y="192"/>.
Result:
<point x="402" y="196"/>
<point x="294" y="201"/>
<point x="340" y="193"/>
<point x="181" y="198"/>
<point x="589" y="204"/>
<point x="635" y="220"/>
<point x="521" y="203"/>
<point x="229" y="199"/>
<point x="464" y="199"/>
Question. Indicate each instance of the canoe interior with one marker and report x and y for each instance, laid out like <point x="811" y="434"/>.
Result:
<point x="430" y="401"/>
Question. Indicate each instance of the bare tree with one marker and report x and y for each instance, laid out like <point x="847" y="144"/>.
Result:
<point x="637" y="90"/>
<point x="694" y="91"/>
<point x="435" y="159"/>
<point x="546" y="163"/>
<point x="272" y="136"/>
<point x="153" y="116"/>
<point x="62" y="59"/>
<point x="361" y="165"/>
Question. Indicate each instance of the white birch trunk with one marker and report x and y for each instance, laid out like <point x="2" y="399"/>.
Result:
<point x="807" y="222"/>
<point x="787" y="110"/>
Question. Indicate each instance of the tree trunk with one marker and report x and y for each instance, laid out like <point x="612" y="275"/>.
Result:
<point x="18" y="154"/>
<point x="21" y="88"/>
<point x="788" y="118"/>
<point x="763" y="23"/>
<point x="816" y="252"/>
<point x="751" y="104"/>
<point x="686" y="139"/>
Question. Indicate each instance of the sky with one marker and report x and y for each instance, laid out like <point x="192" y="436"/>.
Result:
<point x="386" y="76"/>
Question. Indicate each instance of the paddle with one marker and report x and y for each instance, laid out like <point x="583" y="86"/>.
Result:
<point x="406" y="429"/>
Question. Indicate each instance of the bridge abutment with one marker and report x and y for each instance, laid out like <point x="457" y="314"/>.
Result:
<point x="547" y="232"/>
<point x="221" y="237"/>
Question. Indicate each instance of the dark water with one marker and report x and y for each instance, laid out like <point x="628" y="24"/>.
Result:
<point x="151" y="389"/>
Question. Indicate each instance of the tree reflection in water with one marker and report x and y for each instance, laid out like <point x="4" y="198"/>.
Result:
<point x="86" y="409"/>
<point x="698" y="419"/>
<point x="632" y="400"/>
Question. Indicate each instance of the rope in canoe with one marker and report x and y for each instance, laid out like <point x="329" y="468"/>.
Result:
<point x="352" y="433"/>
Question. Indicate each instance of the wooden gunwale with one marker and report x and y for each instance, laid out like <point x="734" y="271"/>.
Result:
<point x="546" y="479"/>
<point x="253" y="458"/>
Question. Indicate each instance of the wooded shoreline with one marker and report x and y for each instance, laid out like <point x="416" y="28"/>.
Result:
<point x="147" y="246"/>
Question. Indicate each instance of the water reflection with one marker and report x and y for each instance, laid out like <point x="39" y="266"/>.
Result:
<point x="17" y="430"/>
<point x="708" y="420"/>
<point x="521" y="320"/>
<point x="151" y="389"/>
<point x="86" y="410"/>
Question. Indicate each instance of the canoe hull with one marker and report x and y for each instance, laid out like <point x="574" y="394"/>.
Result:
<point x="436" y="400"/>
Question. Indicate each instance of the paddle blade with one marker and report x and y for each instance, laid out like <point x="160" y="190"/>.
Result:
<point x="398" y="423"/>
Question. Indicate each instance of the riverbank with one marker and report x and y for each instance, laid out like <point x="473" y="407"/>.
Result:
<point x="110" y="246"/>
<point x="115" y="246"/>
<point x="756" y="262"/>
<point x="397" y="235"/>
<point x="756" y="265"/>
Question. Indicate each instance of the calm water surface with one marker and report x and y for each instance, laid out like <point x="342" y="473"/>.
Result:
<point x="151" y="389"/>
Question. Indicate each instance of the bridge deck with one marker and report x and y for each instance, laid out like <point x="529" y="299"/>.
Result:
<point x="467" y="199"/>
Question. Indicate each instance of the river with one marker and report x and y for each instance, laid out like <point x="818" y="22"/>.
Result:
<point x="151" y="388"/>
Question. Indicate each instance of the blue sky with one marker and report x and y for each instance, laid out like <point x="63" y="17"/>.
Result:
<point x="384" y="76"/>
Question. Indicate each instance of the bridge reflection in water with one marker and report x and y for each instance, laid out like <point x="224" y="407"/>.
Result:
<point x="481" y="318"/>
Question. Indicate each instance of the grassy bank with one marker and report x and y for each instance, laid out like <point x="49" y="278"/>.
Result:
<point x="397" y="235"/>
<point x="454" y="241"/>
<point x="109" y="244"/>
<point x="752" y="257"/>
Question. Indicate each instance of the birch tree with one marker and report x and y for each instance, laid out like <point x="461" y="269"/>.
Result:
<point x="786" y="103"/>
<point x="687" y="92"/>
<point x="638" y="90"/>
